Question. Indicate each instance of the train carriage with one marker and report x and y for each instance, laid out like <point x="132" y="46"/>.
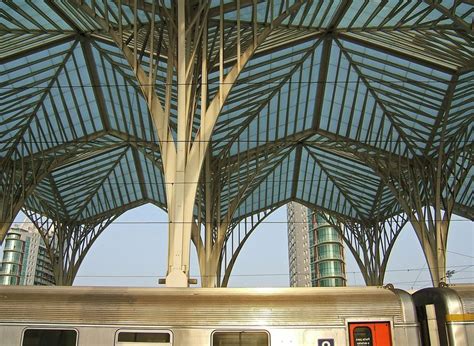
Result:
<point x="68" y="316"/>
<point x="446" y="315"/>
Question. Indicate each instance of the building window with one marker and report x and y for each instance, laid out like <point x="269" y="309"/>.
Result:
<point x="240" y="338"/>
<point x="50" y="337"/>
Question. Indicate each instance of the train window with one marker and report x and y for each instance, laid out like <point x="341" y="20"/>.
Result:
<point x="240" y="338"/>
<point x="145" y="337"/>
<point x="362" y="336"/>
<point x="370" y="333"/>
<point x="49" y="337"/>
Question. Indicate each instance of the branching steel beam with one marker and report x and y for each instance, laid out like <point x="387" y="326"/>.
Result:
<point x="238" y="236"/>
<point x="370" y="243"/>
<point x="18" y="181"/>
<point x="27" y="51"/>
<point x="443" y="113"/>
<point x="33" y="114"/>
<point x="451" y="14"/>
<point x="427" y="192"/>
<point x="58" y="10"/>
<point x="400" y="131"/>
<point x="342" y="190"/>
<point x="372" y="44"/>
<point x="96" y="84"/>
<point x="224" y="224"/>
<point x="99" y="185"/>
<point x="67" y="243"/>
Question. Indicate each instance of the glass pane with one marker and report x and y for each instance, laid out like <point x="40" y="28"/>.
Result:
<point x="240" y="339"/>
<point x="49" y="337"/>
<point x="144" y="337"/>
<point x="362" y="336"/>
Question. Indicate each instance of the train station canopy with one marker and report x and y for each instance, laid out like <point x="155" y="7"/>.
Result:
<point x="332" y="92"/>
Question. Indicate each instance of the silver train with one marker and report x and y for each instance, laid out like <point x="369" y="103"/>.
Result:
<point x="77" y="316"/>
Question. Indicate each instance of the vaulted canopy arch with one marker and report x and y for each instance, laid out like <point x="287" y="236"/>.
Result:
<point x="218" y="110"/>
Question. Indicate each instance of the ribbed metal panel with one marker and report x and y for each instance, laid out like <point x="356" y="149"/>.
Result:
<point x="197" y="307"/>
<point x="466" y="293"/>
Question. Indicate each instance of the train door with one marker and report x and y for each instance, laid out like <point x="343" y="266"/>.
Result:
<point x="370" y="334"/>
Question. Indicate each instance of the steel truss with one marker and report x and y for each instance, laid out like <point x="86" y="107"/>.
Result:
<point x="370" y="243"/>
<point x="427" y="190"/>
<point x="67" y="243"/>
<point x="234" y="242"/>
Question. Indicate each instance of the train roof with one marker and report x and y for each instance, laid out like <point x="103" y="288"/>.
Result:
<point x="456" y="299"/>
<point x="201" y="306"/>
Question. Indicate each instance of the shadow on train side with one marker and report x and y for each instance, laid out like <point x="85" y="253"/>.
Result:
<point x="78" y="316"/>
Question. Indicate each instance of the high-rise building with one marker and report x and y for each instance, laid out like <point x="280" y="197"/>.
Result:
<point x="315" y="249"/>
<point x="25" y="260"/>
<point x="298" y="246"/>
<point x="327" y="253"/>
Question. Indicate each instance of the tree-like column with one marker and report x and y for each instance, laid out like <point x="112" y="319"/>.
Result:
<point x="68" y="242"/>
<point x="370" y="243"/>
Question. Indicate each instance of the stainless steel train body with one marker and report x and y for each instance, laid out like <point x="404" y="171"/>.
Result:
<point x="446" y="315"/>
<point x="220" y="317"/>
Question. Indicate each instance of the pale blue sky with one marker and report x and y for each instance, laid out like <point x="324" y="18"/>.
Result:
<point x="133" y="252"/>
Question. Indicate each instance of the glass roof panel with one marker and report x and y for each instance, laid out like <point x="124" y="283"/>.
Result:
<point x="69" y="110"/>
<point x="280" y="102"/>
<point x="17" y="44"/>
<point x="125" y="105"/>
<point x="25" y="83"/>
<point x="119" y="187"/>
<point x="316" y="187"/>
<point x="367" y="97"/>
<point x="78" y="18"/>
<point x="278" y="180"/>
<point x="443" y="49"/>
<point x="465" y="196"/>
<point x="462" y="106"/>
<point x="82" y="181"/>
<point x="355" y="181"/>
<point x="392" y="13"/>
<point x="350" y="109"/>
<point x="462" y="9"/>
<point x="66" y="190"/>
<point x="245" y="174"/>
<point x="402" y="88"/>
<point x="30" y="16"/>
<point x="154" y="182"/>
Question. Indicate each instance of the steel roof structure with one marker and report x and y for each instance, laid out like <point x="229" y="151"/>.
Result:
<point x="220" y="111"/>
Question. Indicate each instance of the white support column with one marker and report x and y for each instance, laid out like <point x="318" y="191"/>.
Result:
<point x="183" y="201"/>
<point x="183" y="162"/>
<point x="5" y="223"/>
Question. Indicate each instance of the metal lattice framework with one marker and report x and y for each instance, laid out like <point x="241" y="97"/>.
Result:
<point x="67" y="243"/>
<point x="219" y="110"/>
<point x="371" y="244"/>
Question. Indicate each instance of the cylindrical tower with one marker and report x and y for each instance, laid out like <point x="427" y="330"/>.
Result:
<point x="11" y="270"/>
<point x="327" y="253"/>
<point x="25" y="258"/>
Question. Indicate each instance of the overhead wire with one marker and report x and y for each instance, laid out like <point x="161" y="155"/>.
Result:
<point x="264" y="83"/>
<point x="424" y="268"/>
<point x="182" y="222"/>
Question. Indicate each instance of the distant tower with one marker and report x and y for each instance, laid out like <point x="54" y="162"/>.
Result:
<point x="315" y="249"/>
<point x="298" y="246"/>
<point x="327" y="253"/>
<point x="25" y="260"/>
